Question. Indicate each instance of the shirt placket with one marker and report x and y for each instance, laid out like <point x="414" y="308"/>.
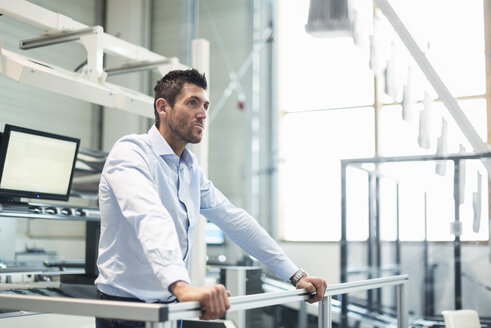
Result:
<point x="181" y="168"/>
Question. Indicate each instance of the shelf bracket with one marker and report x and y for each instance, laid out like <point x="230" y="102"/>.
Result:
<point x="49" y="39"/>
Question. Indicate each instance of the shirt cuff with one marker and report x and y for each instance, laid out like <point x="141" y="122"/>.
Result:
<point x="286" y="270"/>
<point x="174" y="273"/>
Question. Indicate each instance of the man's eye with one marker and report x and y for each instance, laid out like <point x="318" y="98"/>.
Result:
<point x="192" y="102"/>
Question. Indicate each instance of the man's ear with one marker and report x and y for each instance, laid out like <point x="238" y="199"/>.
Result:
<point x="161" y="105"/>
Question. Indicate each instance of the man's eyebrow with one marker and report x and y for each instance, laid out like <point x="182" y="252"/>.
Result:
<point x="199" y="98"/>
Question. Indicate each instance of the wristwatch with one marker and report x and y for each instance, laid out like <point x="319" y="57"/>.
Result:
<point x="297" y="276"/>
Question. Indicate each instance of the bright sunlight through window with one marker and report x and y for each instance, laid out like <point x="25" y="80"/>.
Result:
<point x="326" y="100"/>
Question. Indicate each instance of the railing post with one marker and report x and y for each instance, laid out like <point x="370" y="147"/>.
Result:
<point x="302" y="315"/>
<point x="402" y="311"/>
<point x="324" y="313"/>
<point x="329" y="313"/>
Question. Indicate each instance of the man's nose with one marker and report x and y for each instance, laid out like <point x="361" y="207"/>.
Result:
<point x="202" y="113"/>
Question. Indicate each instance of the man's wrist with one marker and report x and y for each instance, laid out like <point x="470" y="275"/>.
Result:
<point x="297" y="276"/>
<point x="178" y="286"/>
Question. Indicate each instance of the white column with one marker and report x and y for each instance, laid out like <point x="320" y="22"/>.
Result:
<point x="201" y="62"/>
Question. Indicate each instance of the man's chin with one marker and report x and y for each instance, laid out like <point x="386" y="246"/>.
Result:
<point x="195" y="140"/>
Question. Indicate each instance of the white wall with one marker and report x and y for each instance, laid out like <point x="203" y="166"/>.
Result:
<point x="318" y="259"/>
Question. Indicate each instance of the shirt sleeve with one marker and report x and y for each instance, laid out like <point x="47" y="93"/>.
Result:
<point x="243" y="229"/>
<point x="128" y="176"/>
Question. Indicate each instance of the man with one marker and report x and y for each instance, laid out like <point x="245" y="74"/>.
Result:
<point x="151" y="194"/>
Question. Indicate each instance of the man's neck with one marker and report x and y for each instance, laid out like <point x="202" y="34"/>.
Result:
<point x="177" y="146"/>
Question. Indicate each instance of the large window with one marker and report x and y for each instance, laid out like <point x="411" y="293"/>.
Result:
<point x="324" y="86"/>
<point x="314" y="143"/>
<point x="326" y="102"/>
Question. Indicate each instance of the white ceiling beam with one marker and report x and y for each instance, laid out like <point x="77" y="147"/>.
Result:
<point x="52" y="22"/>
<point x="89" y="85"/>
<point x="75" y="85"/>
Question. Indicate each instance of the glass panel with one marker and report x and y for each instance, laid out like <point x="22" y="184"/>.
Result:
<point x="312" y="145"/>
<point x="418" y="180"/>
<point x="357" y="210"/>
<point x="388" y="208"/>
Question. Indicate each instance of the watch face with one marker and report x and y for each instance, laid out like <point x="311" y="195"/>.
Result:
<point x="297" y="276"/>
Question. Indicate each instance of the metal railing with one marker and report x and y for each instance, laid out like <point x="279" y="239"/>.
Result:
<point x="165" y="315"/>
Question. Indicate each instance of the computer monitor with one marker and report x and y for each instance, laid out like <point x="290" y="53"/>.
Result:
<point x="36" y="164"/>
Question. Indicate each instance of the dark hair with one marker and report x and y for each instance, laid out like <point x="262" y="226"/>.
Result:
<point x="171" y="85"/>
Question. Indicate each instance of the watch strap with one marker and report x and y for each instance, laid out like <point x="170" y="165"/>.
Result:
<point x="297" y="276"/>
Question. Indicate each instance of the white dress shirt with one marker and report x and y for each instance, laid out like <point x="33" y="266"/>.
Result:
<point x="150" y="200"/>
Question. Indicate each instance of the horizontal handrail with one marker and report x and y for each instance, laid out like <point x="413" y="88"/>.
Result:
<point x="168" y="312"/>
<point x="85" y="307"/>
<point x="358" y="286"/>
<point x="248" y="302"/>
<point x="193" y="309"/>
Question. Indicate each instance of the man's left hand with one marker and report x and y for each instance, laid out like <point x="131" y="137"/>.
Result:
<point x="313" y="285"/>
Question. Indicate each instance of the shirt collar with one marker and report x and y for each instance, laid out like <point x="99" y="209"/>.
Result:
<point x="162" y="148"/>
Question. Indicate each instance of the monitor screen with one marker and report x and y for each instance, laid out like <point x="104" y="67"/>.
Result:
<point x="213" y="234"/>
<point x="36" y="164"/>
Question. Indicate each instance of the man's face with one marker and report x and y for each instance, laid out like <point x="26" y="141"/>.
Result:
<point x="186" y="119"/>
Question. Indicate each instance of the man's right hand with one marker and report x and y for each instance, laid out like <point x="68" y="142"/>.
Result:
<point x="214" y="298"/>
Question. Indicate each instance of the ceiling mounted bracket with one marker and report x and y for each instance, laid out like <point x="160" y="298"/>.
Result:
<point x="58" y="37"/>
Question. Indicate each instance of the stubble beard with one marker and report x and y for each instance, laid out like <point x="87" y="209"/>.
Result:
<point x="184" y="134"/>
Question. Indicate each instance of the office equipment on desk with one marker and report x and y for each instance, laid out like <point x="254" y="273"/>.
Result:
<point x="35" y="164"/>
<point x="40" y="165"/>
<point x="50" y="211"/>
